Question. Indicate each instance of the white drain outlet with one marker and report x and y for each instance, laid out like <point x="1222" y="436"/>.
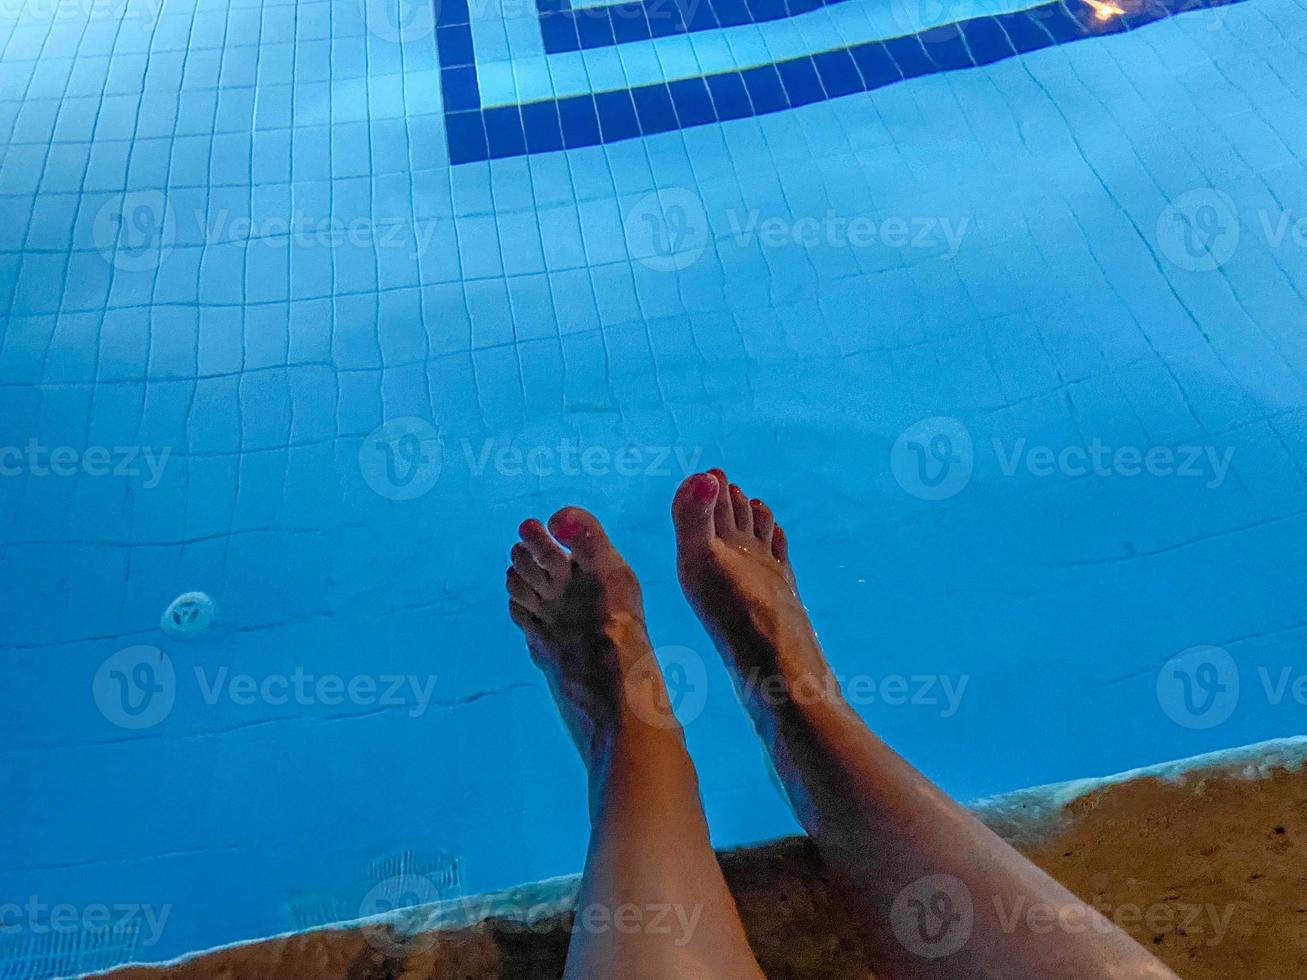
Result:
<point x="189" y="615"/>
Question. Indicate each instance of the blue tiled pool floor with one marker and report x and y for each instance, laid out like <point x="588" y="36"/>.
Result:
<point x="1016" y="352"/>
<point x="477" y="132"/>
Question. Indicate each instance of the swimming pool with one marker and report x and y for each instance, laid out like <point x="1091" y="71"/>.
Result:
<point x="308" y="304"/>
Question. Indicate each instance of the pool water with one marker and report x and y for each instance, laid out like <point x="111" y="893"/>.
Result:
<point x="306" y="305"/>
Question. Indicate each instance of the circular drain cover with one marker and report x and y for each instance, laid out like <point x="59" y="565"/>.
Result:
<point x="190" y="614"/>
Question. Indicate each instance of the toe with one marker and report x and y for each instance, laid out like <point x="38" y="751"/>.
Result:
<point x="780" y="548"/>
<point x="723" y="511"/>
<point x="521" y="592"/>
<point x="581" y="533"/>
<point x="763" y="522"/>
<point x="692" y="510"/>
<point x="524" y="564"/>
<point x="523" y="617"/>
<point x="544" y="549"/>
<point x="743" y="512"/>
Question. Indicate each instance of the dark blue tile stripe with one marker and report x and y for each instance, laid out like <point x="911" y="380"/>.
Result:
<point x="566" y="29"/>
<point x="475" y="133"/>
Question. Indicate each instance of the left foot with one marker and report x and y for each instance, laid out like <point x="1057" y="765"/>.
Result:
<point x="579" y="604"/>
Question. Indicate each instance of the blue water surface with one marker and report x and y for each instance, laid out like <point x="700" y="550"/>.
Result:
<point x="304" y="306"/>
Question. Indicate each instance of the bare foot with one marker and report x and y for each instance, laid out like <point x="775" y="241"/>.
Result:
<point x="579" y="604"/>
<point x="734" y="567"/>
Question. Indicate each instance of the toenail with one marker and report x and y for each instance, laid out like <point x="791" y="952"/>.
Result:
<point x="568" y="528"/>
<point x="705" y="488"/>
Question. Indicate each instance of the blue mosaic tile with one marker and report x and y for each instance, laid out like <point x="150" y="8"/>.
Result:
<point x="617" y="119"/>
<point x="580" y="121"/>
<point x="594" y="28"/>
<point x="544" y="131"/>
<point x="875" y="65"/>
<point x="693" y="102"/>
<point x="763" y="10"/>
<point x="839" y="74"/>
<point x="1024" y="31"/>
<point x="730" y="98"/>
<point x="450" y="12"/>
<point x="765" y="89"/>
<point x="466" y="133"/>
<point x="459" y="89"/>
<point x="986" y="41"/>
<point x="654" y="108"/>
<point x="558" y="31"/>
<point x="909" y="55"/>
<point x="1060" y="22"/>
<point x="504" y="131"/>
<point x="946" y="48"/>
<point x="610" y="116"/>
<point x="801" y="82"/>
<point x="454" y="47"/>
<point x="634" y="27"/>
<point x="591" y="27"/>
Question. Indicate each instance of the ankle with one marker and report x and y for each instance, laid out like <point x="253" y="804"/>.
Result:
<point x="794" y="712"/>
<point x="635" y="718"/>
<point x="788" y="688"/>
<point x="633" y="749"/>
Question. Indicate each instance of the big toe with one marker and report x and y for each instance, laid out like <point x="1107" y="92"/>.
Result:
<point x="692" y="511"/>
<point x="582" y="534"/>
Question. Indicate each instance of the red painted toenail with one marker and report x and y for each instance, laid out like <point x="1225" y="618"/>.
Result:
<point x="705" y="488"/>
<point x="568" y="528"/>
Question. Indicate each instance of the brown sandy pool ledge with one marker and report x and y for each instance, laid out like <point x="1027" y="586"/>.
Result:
<point x="1202" y="860"/>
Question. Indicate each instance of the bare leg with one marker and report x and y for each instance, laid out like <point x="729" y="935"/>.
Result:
<point x="653" y="900"/>
<point x="941" y="894"/>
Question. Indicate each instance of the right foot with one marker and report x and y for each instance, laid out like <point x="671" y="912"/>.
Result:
<point x="734" y="568"/>
<point x="579" y="604"/>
